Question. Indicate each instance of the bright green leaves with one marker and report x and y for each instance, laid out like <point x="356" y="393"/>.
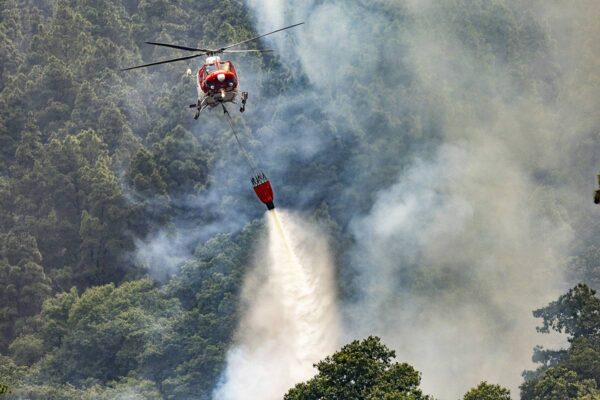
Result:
<point x="361" y="370"/>
<point x="487" y="391"/>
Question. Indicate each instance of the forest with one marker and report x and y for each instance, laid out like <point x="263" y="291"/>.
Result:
<point x="456" y="183"/>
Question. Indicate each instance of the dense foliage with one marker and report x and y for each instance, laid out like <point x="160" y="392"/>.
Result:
<point x="91" y="160"/>
<point x="486" y="391"/>
<point x="365" y="370"/>
<point x="361" y="370"/>
<point x="572" y="373"/>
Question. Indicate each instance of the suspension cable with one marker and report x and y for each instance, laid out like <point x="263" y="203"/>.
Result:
<point x="249" y="159"/>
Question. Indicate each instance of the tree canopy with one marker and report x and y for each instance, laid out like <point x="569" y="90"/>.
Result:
<point x="572" y="373"/>
<point x="487" y="391"/>
<point x="361" y="370"/>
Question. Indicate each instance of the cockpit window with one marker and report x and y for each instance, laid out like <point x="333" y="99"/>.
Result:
<point x="210" y="68"/>
<point x="225" y="66"/>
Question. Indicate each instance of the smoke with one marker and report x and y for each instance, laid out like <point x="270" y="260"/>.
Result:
<point x="456" y="262"/>
<point x="454" y="142"/>
<point x="290" y="319"/>
<point x="477" y="154"/>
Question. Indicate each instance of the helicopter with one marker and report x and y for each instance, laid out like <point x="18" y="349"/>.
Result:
<point x="217" y="80"/>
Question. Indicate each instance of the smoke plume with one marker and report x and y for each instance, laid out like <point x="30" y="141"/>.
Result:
<point x="476" y="164"/>
<point x="455" y="143"/>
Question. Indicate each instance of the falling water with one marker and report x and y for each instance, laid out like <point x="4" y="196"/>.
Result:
<point x="290" y="316"/>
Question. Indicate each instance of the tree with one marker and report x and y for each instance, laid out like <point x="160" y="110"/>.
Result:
<point x="559" y="383"/>
<point x="486" y="391"/>
<point x="182" y="162"/>
<point x="105" y="333"/>
<point x="361" y="370"/>
<point x="583" y="357"/>
<point x="572" y="373"/>
<point x="26" y="349"/>
<point x="23" y="284"/>
<point x="144" y="176"/>
<point x="576" y="313"/>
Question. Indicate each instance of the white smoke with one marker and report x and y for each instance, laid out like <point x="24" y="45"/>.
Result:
<point x="453" y="257"/>
<point x="456" y="262"/>
<point x="290" y="319"/>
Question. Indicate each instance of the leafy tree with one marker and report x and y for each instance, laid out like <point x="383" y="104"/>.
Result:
<point x="559" y="383"/>
<point x="73" y="203"/>
<point x="114" y="327"/>
<point x="23" y="284"/>
<point x="181" y="161"/>
<point x="361" y="370"/>
<point x="10" y="373"/>
<point x="583" y="357"/>
<point x="144" y="175"/>
<point x="573" y="373"/>
<point x="26" y="349"/>
<point x="54" y="318"/>
<point x="576" y="313"/>
<point x="487" y="391"/>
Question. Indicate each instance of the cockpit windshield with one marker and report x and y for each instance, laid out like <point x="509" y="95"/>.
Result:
<point x="224" y="66"/>
<point x="210" y="68"/>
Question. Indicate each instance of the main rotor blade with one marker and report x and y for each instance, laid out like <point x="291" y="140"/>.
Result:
<point x="163" y="62"/>
<point x="258" y="37"/>
<point x="246" y="51"/>
<point x="174" y="46"/>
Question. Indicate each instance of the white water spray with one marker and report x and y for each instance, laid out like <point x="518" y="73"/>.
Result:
<point x="290" y="317"/>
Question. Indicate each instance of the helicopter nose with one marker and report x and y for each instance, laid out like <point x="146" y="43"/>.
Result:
<point x="221" y="77"/>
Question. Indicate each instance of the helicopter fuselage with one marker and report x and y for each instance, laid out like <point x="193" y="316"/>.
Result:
<point x="217" y="82"/>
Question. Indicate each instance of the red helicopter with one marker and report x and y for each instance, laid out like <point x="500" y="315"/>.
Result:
<point x="217" y="80"/>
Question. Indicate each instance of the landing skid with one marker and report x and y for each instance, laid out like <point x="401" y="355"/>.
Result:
<point x="202" y="104"/>
<point x="199" y="106"/>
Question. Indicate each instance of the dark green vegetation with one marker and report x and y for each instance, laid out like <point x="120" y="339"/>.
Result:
<point x="92" y="159"/>
<point x="361" y="370"/>
<point x="365" y="370"/>
<point x="486" y="391"/>
<point x="572" y="373"/>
